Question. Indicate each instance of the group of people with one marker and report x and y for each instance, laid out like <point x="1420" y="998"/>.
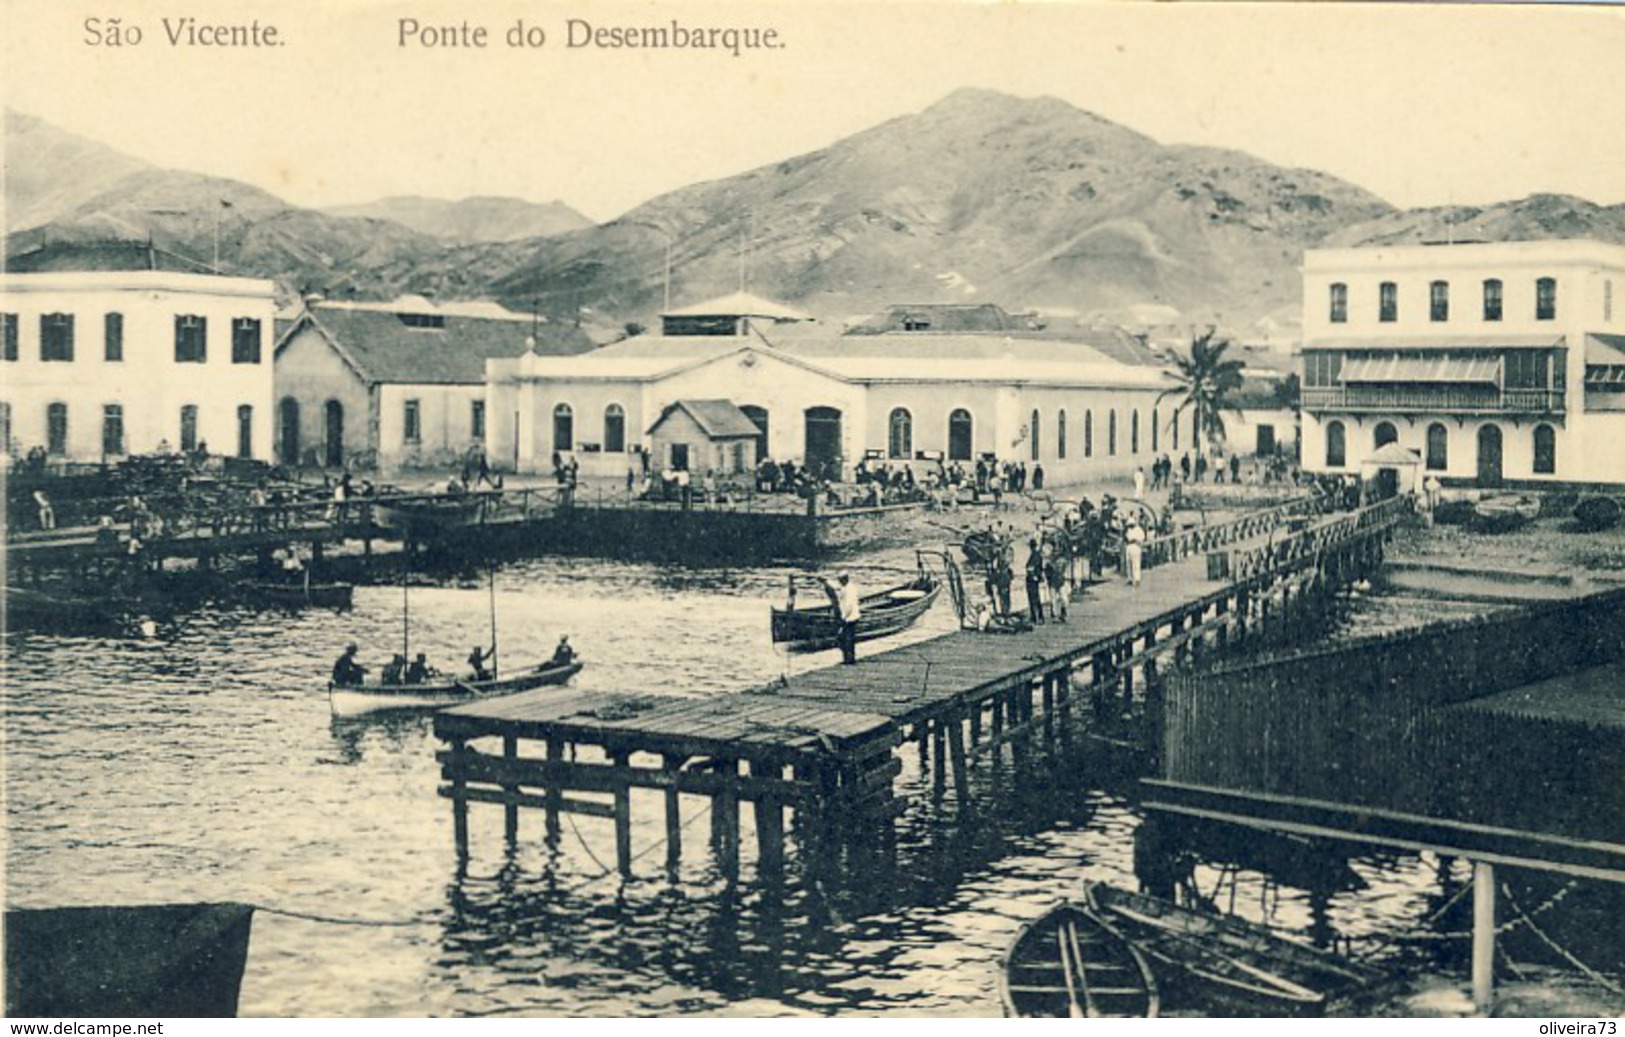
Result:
<point x="349" y="673"/>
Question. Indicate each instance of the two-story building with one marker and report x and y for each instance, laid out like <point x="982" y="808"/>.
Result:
<point x="1495" y="363"/>
<point x="97" y="365"/>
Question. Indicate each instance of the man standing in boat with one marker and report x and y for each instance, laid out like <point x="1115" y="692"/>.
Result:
<point x="844" y="595"/>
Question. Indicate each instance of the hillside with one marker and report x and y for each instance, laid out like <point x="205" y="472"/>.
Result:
<point x="471" y="220"/>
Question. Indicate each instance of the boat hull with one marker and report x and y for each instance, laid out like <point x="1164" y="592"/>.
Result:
<point x="380" y="698"/>
<point x="426" y="518"/>
<point x="1070" y="963"/>
<point x="1228" y="961"/>
<point x="298" y="595"/>
<point x="818" y="628"/>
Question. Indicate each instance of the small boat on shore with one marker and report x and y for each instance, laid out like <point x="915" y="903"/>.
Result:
<point x="360" y="699"/>
<point x="817" y="627"/>
<point x="295" y="594"/>
<point x="1071" y="963"/>
<point x="1233" y="962"/>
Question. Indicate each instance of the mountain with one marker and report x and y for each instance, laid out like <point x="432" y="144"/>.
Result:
<point x="982" y="196"/>
<point x="49" y="172"/>
<point x="472" y="220"/>
<point x="1537" y="217"/>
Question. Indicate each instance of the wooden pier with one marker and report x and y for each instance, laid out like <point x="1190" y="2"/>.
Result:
<point x="822" y="745"/>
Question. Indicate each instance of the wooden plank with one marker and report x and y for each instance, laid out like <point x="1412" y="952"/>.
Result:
<point x="473" y="766"/>
<point x="527" y="799"/>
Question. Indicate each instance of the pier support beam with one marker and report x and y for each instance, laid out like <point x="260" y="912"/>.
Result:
<point x="725" y="821"/>
<point x="769" y="830"/>
<point x="956" y="747"/>
<point x="674" y="818"/>
<point x="510" y="809"/>
<point x="1483" y="935"/>
<point x="623" y="819"/>
<point x="459" y="807"/>
<point x="555" y="756"/>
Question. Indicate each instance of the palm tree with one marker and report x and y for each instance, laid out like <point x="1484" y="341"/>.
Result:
<point x="1207" y="382"/>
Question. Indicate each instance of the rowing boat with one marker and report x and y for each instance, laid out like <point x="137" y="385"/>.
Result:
<point x="815" y="628"/>
<point x="428" y="516"/>
<point x="1235" y="962"/>
<point x="298" y="594"/>
<point x="359" y="699"/>
<point x="1071" y="963"/>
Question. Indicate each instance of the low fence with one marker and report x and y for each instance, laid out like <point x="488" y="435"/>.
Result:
<point x="1382" y="722"/>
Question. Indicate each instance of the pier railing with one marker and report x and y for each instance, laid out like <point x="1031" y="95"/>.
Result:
<point x="1205" y="539"/>
<point x="1298" y="549"/>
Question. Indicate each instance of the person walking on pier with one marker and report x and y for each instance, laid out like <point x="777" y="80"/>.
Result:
<point x="1035" y="581"/>
<point x="844" y="595"/>
<point x="1133" y="548"/>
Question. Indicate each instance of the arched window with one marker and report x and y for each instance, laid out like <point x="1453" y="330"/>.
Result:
<point x="614" y="429"/>
<point x="1088" y="433"/>
<point x="56" y="428"/>
<point x="1035" y="434"/>
<point x="564" y="427"/>
<point x="1383" y="434"/>
<point x="1111" y="433"/>
<point x="1133" y="431"/>
<point x="1154" y="435"/>
<point x="1546" y="299"/>
<point x="1545" y="450"/>
<point x="1439" y="301"/>
<point x="900" y="435"/>
<point x="1336" y="445"/>
<point x="1438" y="458"/>
<point x="1388" y="302"/>
<point x="1340" y="303"/>
<point x="1060" y="435"/>
<point x="960" y="437"/>
<point x="1492" y="299"/>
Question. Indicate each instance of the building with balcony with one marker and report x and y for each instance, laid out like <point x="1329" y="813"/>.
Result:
<point x="1495" y="363"/>
<point x="96" y="365"/>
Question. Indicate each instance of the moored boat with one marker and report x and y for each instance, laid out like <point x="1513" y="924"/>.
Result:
<point x="1071" y="963"/>
<point x="427" y="516"/>
<point x="817" y="627"/>
<point x="296" y="594"/>
<point x="359" y="699"/>
<point x="26" y="607"/>
<point x="1233" y="961"/>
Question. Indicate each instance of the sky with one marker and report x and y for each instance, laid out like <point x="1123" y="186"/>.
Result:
<point x="1423" y="105"/>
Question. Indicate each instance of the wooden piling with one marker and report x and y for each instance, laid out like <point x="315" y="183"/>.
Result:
<point x="956" y="746"/>
<point x="1483" y="935"/>
<point x="725" y="821"/>
<point x="623" y="819"/>
<point x="510" y="807"/>
<point x="769" y="814"/>
<point x="555" y="756"/>
<point x="672" y="764"/>
<point x="459" y="805"/>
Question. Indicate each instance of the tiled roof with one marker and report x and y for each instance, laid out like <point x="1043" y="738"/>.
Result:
<point x="386" y="349"/>
<point x="719" y="419"/>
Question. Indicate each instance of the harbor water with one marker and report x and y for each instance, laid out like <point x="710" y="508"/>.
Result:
<point x="200" y="763"/>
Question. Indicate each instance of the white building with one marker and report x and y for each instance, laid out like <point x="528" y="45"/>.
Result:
<point x="1082" y="406"/>
<point x="101" y="364"/>
<point x="1497" y="363"/>
<point x="395" y="384"/>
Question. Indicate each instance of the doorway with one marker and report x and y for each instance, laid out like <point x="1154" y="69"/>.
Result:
<point x="823" y="440"/>
<point x="288" y="436"/>
<point x="1489" y="456"/>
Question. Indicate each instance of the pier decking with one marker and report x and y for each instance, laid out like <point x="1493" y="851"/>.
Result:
<point x="822" y="742"/>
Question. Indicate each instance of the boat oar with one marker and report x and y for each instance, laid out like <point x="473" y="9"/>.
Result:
<point x="1073" y="1009"/>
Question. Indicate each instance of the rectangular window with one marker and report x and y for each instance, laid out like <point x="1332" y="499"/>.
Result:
<point x="1322" y="369"/>
<point x="1439" y="301"/>
<point x="245" y="341"/>
<point x="1608" y="300"/>
<point x="191" y="339"/>
<point x="476" y="420"/>
<point x="1525" y="369"/>
<point x="1340" y="303"/>
<point x="5" y="426"/>
<point x="113" y="335"/>
<point x="56" y="429"/>
<point x="1388" y="302"/>
<point x="1546" y="299"/>
<point x="1492" y="300"/>
<point x="56" y="336"/>
<point x="412" y="422"/>
<point x="113" y="430"/>
<point x="188" y="428"/>
<point x="8" y="335"/>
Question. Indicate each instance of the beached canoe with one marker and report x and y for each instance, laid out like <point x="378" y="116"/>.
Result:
<point x="360" y="699"/>
<point x="1070" y="963"/>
